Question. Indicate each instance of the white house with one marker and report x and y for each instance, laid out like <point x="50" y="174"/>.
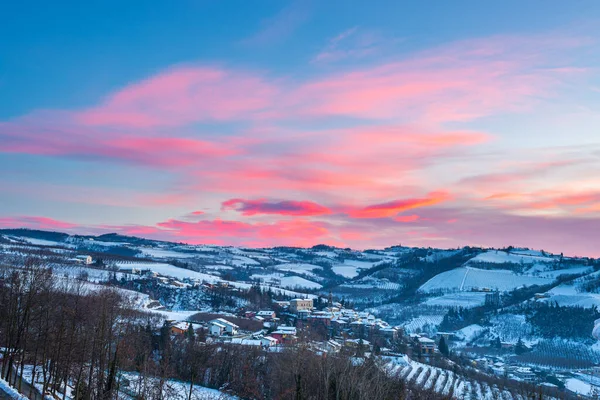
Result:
<point x="230" y="328"/>
<point x="84" y="259"/>
<point x="268" y="341"/>
<point x="216" y="329"/>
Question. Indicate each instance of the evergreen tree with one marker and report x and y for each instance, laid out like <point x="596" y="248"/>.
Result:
<point x="190" y="332"/>
<point x="497" y="343"/>
<point x="520" y="348"/>
<point x="443" y="347"/>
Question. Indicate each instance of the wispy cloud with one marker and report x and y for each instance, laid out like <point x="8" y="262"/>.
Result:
<point x="279" y="27"/>
<point x="355" y="43"/>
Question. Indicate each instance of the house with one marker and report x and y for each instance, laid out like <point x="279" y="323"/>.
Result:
<point x="300" y="304"/>
<point x="426" y="346"/>
<point x="268" y="341"/>
<point x="331" y="346"/>
<point x="284" y="334"/>
<point x="358" y="344"/>
<point x="220" y="326"/>
<point x="246" y="342"/>
<point x="267" y="315"/>
<point x="216" y="329"/>
<point x="539" y="296"/>
<point x="84" y="259"/>
<point x="320" y="318"/>
<point x="230" y="328"/>
<point x="282" y="304"/>
<point x="524" y="374"/>
<point x="133" y="271"/>
<point x="389" y="333"/>
<point x="179" y="328"/>
<point x="507" y="346"/>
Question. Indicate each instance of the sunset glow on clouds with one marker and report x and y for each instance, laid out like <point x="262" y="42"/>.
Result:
<point x="374" y="136"/>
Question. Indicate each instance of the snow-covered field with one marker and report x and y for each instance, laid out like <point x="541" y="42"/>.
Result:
<point x="499" y="257"/>
<point x="460" y="299"/>
<point x="578" y="386"/>
<point x="467" y="278"/>
<point x="351" y="268"/>
<point x="288" y="282"/>
<point x="347" y="271"/>
<point x="443" y="381"/>
<point x="553" y="274"/>
<point x="470" y="332"/>
<point x="567" y="295"/>
<point x="299" y="268"/>
<point x="372" y="283"/>
<point x="418" y="323"/>
<point x="169" y="270"/>
<point x="165" y="253"/>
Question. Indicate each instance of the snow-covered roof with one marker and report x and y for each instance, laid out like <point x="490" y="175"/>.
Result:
<point x="224" y="322"/>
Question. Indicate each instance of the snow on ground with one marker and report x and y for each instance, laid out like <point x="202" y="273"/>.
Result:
<point x="467" y="278"/>
<point x="499" y="257"/>
<point x="42" y="242"/>
<point x="347" y="271"/>
<point x="288" y="282"/>
<point x="182" y="273"/>
<point x="418" y="323"/>
<point x="10" y="391"/>
<point x="511" y="327"/>
<point x="242" y="261"/>
<point x="217" y="267"/>
<point x="169" y="270"/>
<point x="93" y="274"/>
<point x="468" y="333"/>
<point x="460" y="299"/>
<point x="538" y="271"/>
<point x="351" y="268"/>
<point x="370" y="282"/>
<point x="165" y="253"/>
<point x="300" y="268"/>
<point x="175" y="315"/>
<point x="578" y="386"/>
<point x="27" y="377"/>
<point x="567" y="295"/>
<point x="441" y="380"/>
<point x="172" y="389"/>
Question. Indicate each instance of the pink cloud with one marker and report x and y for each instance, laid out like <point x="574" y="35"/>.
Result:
<point x="33" y="222"/>
<point x="182" y="96"/>
<point x="297" y="232"/>
<point x="33" y="137"/>
<point x="284" y="207"/>
<point x="460" y="81"/>
<point x="407" y="218"/>
<point x="392" y="208"/>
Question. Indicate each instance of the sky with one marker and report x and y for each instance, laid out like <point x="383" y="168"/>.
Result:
<point x="359" y="124"/>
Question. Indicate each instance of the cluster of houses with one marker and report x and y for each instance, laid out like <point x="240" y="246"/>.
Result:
<point x="340" y="321"/>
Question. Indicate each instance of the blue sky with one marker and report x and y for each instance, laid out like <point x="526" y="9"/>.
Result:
<point x="272" y="122"/>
